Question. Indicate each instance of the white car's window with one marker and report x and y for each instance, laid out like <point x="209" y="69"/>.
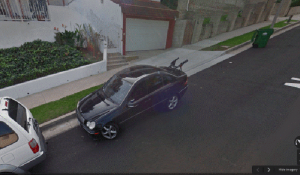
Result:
<point x="18" y="113"/>
<point x="7" y="135"/>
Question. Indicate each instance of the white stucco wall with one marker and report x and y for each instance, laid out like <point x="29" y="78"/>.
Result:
<point x="105" y="18"/>
<point x="16" y="33"/>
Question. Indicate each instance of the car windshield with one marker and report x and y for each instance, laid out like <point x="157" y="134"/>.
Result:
<point x="18" y="113"/>
<point x="116" y="89"/>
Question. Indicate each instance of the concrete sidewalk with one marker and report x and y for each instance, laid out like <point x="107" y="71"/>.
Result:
<point x="198" y="60"/>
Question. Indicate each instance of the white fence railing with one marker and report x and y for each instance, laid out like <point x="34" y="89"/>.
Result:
<point x="20" y="10"/>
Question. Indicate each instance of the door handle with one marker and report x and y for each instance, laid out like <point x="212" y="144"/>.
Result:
<point x="132" y="105"/>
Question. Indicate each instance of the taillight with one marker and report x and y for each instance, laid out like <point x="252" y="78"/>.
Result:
<point x="186" y="82"/>
<point x="34" y="146"/>
<point x="6" y="103"/>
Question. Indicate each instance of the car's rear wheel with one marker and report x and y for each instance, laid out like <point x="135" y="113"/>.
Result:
<point x="172" y="102"/>
<point x="110" y="131"/>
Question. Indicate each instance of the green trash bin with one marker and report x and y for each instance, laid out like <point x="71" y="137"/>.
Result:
<point x="261" y="37"/>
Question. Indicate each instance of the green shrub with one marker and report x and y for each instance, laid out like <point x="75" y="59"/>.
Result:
<point x="36" y="59"/>
<point x="69" y="37"/>
<point x="295" y="3"/>
<point x="172" y="4"/>
<point x="224" y="18"/>
<point x="206" y="21"/>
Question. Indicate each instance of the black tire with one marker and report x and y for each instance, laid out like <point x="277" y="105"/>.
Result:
<point x="255" y="45"/>
<point x="172" y="102"/>
<point x="110" y="131"/>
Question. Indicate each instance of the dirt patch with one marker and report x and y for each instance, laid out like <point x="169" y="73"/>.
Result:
<point x="216" y="48"/>
<point x="91" y="55"/>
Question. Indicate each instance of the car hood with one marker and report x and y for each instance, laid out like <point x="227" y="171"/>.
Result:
<point x="95" y="105"/>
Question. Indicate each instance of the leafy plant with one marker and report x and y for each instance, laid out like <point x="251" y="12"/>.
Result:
<point x="92" y="37"/>
<point x="70" y="37"/>
<point x="224" y="18"/>
<point x="36" y="59"/>
<point x="172" y="4"/>
<point x="206" y="21"/>
<point x="295" y="3"/>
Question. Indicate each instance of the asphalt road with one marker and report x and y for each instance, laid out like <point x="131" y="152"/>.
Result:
<point x="235" y="114"/>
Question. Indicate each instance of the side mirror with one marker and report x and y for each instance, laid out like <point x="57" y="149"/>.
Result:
<point x="131" y="104"/>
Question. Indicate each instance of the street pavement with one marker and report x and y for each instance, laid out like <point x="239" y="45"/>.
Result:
<point x="235" y="114"/>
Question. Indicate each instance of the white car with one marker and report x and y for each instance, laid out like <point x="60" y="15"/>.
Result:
<point x="22" y="144"/>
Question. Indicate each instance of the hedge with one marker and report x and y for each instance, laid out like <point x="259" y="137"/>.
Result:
<point x="36" y="59"/>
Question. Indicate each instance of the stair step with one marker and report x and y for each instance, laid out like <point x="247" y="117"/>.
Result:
<point x="113" y="54"/>
<point x="115" y="61"/>
<point x="130" y="58"/>
<point x="127" y="58"/>
<point x="115" y="58"/>
<point x="117" y="65"/>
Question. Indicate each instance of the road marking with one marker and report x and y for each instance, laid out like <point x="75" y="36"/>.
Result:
<point x="296" y="79"/>
<point x="295" y="85"/>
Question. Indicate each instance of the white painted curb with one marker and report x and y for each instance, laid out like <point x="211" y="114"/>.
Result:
<point x="50" y="81"/>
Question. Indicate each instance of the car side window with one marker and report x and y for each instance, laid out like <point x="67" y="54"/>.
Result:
<point x="168" y="79"/>
<point x="139" y="91"/>
<point x="154" y="83"/>
<point x="7" y="135"/>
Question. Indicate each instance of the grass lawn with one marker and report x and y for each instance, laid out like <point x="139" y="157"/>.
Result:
<point x="241" y="39"/>
<point x="60" y="107"/>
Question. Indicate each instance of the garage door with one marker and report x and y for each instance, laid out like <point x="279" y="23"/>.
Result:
<point x="146" y="34"/>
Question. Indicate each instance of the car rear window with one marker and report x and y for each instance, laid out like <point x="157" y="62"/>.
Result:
<point x="18" y="113"/>
<point x="7" y="135"/>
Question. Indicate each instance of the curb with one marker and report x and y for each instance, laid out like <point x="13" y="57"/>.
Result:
<point x="248" y="42"/>
<point x="57" y="121"/>
<point x="54" y="122"/>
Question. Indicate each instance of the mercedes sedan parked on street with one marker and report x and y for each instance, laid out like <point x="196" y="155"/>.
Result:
<point x="129" y="93"/>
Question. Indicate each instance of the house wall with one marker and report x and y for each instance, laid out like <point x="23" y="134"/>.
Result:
<point x="106" y="19"/>
<point x="178" y="34"/>
<point x="56" y="2"/>
<point x="252" y="11"/>
<point x="238" y="23"/>
<point x="223" y="27"/>
<point x="284" y="10"/>
<point x="206" y="32"/>
<point x="16" y="33"/>
<point x="294" y="11"/>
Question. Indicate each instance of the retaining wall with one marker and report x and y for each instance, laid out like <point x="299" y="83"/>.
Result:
<point x="223" y="27"/>
<point x="50" y="81"/>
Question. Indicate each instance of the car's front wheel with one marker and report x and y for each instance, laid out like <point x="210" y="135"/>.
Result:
<point x="172" y="102"/>
<point x="110" y="131"/>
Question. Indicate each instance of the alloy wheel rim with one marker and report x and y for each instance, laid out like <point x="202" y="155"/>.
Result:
<point x="109" y="132"/>
<point x="173" y="102"/>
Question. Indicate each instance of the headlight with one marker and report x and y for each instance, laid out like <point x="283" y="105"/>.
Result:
<point x="91" y="125"/>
